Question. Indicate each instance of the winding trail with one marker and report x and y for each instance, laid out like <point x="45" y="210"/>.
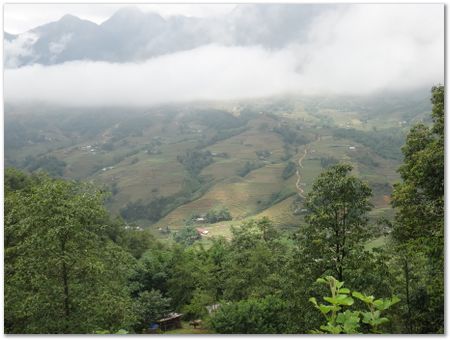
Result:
<point x="300" y="165"/>
<point x="301" y="191"/>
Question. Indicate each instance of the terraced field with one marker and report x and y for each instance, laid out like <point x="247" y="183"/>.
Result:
<point x="137" y="157"/>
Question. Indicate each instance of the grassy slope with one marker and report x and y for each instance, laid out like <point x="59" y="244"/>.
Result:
<point x="145" y="176"/>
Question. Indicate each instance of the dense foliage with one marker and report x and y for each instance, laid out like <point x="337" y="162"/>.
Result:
<point x="291" y="135"/>
<point x="419" y="225"/>
<point x="194" y="160"/>
<point x="187" y="235"/>
<point x="59" y="259"/>
<point x="218" y="214"/>
<point x="151" y="211"/>
<point x="50" y="164"/>
<point x="337" y="217"/>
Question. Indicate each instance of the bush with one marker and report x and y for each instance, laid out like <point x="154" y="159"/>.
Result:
<point x="194" y="160"/>
<point x="350" y="321"/>
<point x="50" y="164"/>
<point x="186" y="236"/>
<point x="252" y="316"/>
<point x="151" y="211"/>
<point x="196" y="309"/>
<point x="150" y="307"/>
<point x="291" y="135"/>
<point x="217" y="215"/>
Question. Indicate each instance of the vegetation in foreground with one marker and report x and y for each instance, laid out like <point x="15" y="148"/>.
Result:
<point x="71" y="268"/>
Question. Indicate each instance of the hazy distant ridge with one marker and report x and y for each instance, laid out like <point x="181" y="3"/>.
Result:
<point x="133" y="35"/>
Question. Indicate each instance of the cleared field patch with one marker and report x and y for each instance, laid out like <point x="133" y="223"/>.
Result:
<point x="366" y="163"/>
<point x="281" y="214"/>
<point x="242" y="196"/>
<point x="223" y="168"/>
<point x="245" y="145"/>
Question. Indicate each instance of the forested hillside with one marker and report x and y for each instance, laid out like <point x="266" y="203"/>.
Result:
<point x="262" y="217"/>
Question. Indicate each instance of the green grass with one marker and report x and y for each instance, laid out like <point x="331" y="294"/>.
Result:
<point x="377" y="243"/>
<point x="186" y="329"/>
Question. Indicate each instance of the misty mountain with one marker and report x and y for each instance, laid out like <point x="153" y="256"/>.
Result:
<point x="133" y="35"/>
<point x="8" y="37"/>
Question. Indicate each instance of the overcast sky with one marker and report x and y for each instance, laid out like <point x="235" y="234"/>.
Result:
<point x="19" y="18"/>
<point x="356" y="49"/>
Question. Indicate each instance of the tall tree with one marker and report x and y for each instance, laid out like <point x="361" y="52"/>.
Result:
<point x="419" y="221"/>
<point x="62" y="272"/>
<point x="337" y="221"/>
<point x="254" y="262"/>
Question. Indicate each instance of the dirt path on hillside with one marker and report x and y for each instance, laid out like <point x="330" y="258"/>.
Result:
<point x="300" y="165"/>
<point x="301" y="191"/>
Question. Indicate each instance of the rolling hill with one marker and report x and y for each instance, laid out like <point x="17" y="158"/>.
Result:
<point x="165" y="164"/>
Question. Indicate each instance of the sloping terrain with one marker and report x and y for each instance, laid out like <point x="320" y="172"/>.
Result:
<point x="164" y="165"/>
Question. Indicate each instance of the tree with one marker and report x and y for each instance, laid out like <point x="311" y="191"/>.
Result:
<point x="254" y="261"/>
<point x="252" y="316"/>
<point x="218" y="215"/>
<point x="337" y="217"/>
<point x="150" y="307"/>
<point x="419" y="199"/>
<point x="16" y="180"/>
<point x="194" y="269"/>
<point x="419" y="222"/>
<point x="196" y="309"/>
<point x="187" y="235"/>
<point x="153" y="270"/>
<point x="62" y="272"/>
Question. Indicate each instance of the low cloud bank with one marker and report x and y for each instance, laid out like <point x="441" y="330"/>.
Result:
<point x="358" y="49"/>
<point x="19" y="47"/>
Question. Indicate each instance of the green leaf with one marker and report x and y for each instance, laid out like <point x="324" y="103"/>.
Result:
<point x="339" y="284"/>
<point x="344" y="300"/>
<point x="332" y="329"/>
<point x="367" y="317"/>
<point x="395" y="300"/>
<point x="349" y="320"/>
<point x="344" y="291"/>
<point x="330" y="300"/>
<point x="326" y="309"/>
<point x="362" y="297"/>
<point x="313" y="301"/>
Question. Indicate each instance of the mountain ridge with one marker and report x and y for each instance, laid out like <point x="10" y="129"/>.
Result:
<point x="131" y="35"/>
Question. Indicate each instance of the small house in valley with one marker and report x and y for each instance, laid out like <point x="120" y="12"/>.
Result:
<point x="171" y="321"/>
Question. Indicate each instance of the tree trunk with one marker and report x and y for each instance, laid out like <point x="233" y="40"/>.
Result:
<point x="65" y="280"/>
<point x="406" y="271"/>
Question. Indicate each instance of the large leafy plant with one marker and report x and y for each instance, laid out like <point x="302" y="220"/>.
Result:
<point x="339" y="317"/>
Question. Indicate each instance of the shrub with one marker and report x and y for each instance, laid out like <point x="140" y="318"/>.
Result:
<point x="252" y="316"/>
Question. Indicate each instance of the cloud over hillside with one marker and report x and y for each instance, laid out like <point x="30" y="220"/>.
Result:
<point x="352" y="49"/>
